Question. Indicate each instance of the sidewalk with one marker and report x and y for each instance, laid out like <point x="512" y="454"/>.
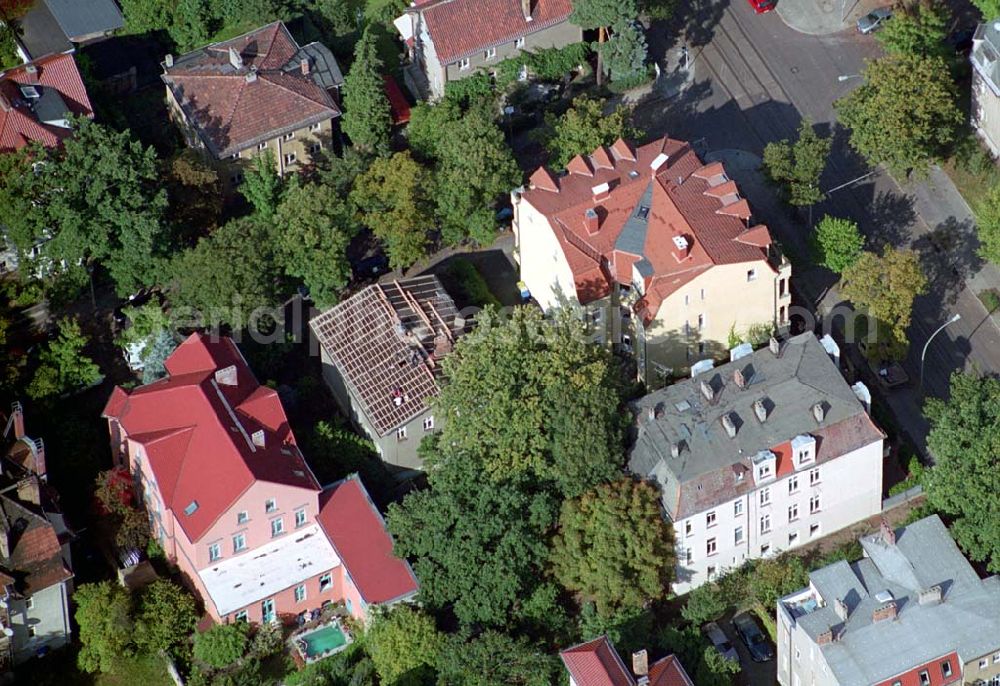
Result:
<point x="824" y="17"/>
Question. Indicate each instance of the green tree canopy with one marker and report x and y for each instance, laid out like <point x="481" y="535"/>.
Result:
<point x="194" y="194"/>
<point x="836" y="243"/>
<point x="989" y="8"/>
<point x="404" y="644"/>
<point x="494" y="659"/>
<point x="392" y="197"/>
<point x="904" y="113"/>
<point x="166" y="617"/>
<point x="429" y="125"/>
<point x="965" y="440"/>
<point x="613" y="546"/>
<point x="262" y="186"/>
<point x="475" y="167"/>
<point x="593" y="14"/>
<point x="554" y="402"/>
<point x="624" y="55"/>
<point x="314" y="226"/>
<point x="222" y="644"/>
<point x="919" y="28"/>
<point x="103" y="613"/>
<point x="796" y="167"/>
<point x="226" y="275"/>
<point x="584" y="127"/>
<point x="64" y="367"/>
<point x="885" y="287"/>
<point x="705" y="603"/>
<point x="367" y="118"/>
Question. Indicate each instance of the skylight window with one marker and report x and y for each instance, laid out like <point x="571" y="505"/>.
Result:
<point x="642" y="212"/>
<point x="191" y="508"/>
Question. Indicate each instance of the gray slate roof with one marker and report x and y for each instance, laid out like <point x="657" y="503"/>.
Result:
<point x="702" y="475"/>
<point x="78" y="18"/>
<point x="967" y="620"/>
<point x="40" y="33"/>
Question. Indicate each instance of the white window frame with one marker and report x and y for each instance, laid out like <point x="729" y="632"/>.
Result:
<point x="29" y="603"/>
<point x="314" y="148"/>
<point x="239" y="543"/>
<point x="464" y="64"/>
<point x="300" y="593"/>
<point x="325" y="582"/>
<point x="793" y="512"/>
<point x="318" y="126"/>
<point x="688" y="528"/>
<point x="429" y="423"/>
<point x="793" y="538"/>
<point x="260" y="146"/>
<point x="291" y="158"/>
<point x="277" y="526"/>
<point x="711" y="547"/>
<point x="737" y="508"/>
<point x="738" y="535"/>
<point x="793" y="484"/>
<point x="401" y="433"/>
<point x="710" y="519"/>
<point x="765" y="523"/>
<point x="751" y="275"/>
<point x="241" y="616"/>
<point x="214" y="552"/>
<point x="242" y="517"/>
<point x="490" y="53"/>
<point x="270" y="505"/>
<point x="300" y="517"/>
<point x="288" y="136"/>
<point x="815" y="530"/>
<point x="765" y="495"/>
<point x="814" y="477"/>
<point x="519" y="42"/>
<point x="814" y="504"/>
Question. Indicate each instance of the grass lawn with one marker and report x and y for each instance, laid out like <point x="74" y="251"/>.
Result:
<point x="972" y="170"/>
<point x="147" y="670"/>
<point x="232" y="30"/>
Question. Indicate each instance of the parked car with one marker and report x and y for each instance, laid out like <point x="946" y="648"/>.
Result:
<point x="719" y="640"/>
<point x="371" y="267"/>
<point x="753" y="637"/>
<point x="874" y="19"/>
<point x="762" y="6"/>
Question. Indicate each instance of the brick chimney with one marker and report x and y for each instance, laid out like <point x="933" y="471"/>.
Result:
<point x="887" y="534"/>
<point x="887" y="611"/>
<point x="760" y="410"/>
<point x="682" y="247"/>
<point x="591" y="220"/>
<point x="739" y="379"/>
<point x="29" y="491"/>
<point x="825" y="638"/>
<point x="226" y="376"/>
<point x="18" y="413"/>
<point x="4" y="103"/>
<point x="526" y="9"/>
<point x="840" y="609"/>
<point x="304" y="66"/>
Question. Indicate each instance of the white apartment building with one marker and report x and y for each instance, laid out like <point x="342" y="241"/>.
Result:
<point x="758" y="456"/>
<point x="911" y="612"/>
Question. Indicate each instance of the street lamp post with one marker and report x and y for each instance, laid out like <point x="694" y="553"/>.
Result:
<point x="848" y="77"/>
<point x="923" y="354"/>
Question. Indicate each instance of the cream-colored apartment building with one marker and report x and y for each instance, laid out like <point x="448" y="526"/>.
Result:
<point x="256" y="94"/>
<point x="658" y="246"/>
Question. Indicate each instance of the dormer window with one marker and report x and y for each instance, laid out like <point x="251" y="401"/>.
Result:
<point x="764" y="464"/>
<point x="804" y="449"/>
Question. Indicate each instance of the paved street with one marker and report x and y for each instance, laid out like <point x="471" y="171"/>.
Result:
<point x="754" y="79"/>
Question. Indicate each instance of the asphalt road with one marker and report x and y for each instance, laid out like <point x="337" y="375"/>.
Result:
<point x="754" y="80"/>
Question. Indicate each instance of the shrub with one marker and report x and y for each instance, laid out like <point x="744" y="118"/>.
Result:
<point x="222" y="645"/>
<point x="990" y="300"/>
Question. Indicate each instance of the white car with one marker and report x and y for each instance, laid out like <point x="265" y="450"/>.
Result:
<point x="719" y="640"/>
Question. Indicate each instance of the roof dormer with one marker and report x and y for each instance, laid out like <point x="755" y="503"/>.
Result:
<point x="764" y="466"/>
<point x="804" y="449"/>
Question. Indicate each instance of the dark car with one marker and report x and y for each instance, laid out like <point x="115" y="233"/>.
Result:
<point x="371" y="267"/>
<point x="760" y="650"/>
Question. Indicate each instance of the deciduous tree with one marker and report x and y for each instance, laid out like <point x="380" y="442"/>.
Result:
<point x="613" y="546"/>
<point x="601" y="14"/>
<point x="494" y="659"/>
<point x="797" y="167"/>
<point x="584" y="127"/>
<point x="165" y="618"/>
<point x="63" y="366"/>
<point x="904" y="113"/>
<point x="103" y="613"/>
<point x="919" y="28"/>
<point x="404" y="643"/>
<point x="989" y="8"/>
<point x="367" y="117"/>
<point x="836" y="243"/>
<point x="885" y="287"/>
<point x="705" y="603"/>
<point x="392" y="198"/>
<point x="965" y="440"/>
<point x="194" y="194"/>
<point x="222" y="644"/>
<point x="262" y="186"/>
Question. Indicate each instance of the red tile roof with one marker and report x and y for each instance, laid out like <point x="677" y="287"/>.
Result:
<point x="35" y="560"/>
<point x="357" y="532"/>
<point x="18" y="124"/>
<point x="596" y="663"/>
<point x="231" y="111"/>
<point x="197" y="431"/>
<point x="668" y="672"/>
<point x="687" y="199"/>
<point x="459" y="28"/>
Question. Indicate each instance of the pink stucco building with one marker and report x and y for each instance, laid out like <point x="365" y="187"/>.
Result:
<point x="233" y="502"/>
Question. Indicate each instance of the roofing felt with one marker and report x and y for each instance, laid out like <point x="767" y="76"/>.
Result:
<point x="81" y="18"/>
<point x="358" y="534"/>
<point x="57" y="80"/>
<point x="242" y="580"/>
<point x="35" y="561"/>
<point x="235" y="107"/>
<point x="702" y="475"/>
<point x="685" y="197"/>
<point x="966" y="619"/>
<point x="459" y="28"/>
<point x="596" y="663"/>
<point x="387" y="342"/>
<point x="196" y="427"/>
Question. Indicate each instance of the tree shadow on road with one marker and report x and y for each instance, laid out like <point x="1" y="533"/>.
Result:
<point x="889" y="218"/>
<point x="949" y="255"/>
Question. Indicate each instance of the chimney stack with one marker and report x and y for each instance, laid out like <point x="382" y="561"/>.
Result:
<point x="739" y="379"/>
<point x="592" y="221"/>
<point x="601" y="191"/>
<point x="251" y="76"/>
<point x="887" y="611"/>
<point x="258" y="438"/>
<point x="226" y="376"/>
<point x="4" y="103"/>
<point x="651" y="413"/>
<point x="29" y="491"/>
<point x="825" y="638"/>
<point x="640" y="663"/>
<point x="819" y="412"/>
<point x="707" y="391"/>
<point x="18" y="415"/>
<point x="304" y="66"/>
<point x="526" y="9"/>
<point x="235" y="58"/>
<point x="675" y="449"/>
<point x="840" y="608"/>
<point x="929" y="596"/>
<point x="729" y="425"/>
<point x="887" y="533"/>
<point x="682" y="247"/>
<point x="168" y="60"/>
<point x="760" y="410"/>
<point x="774" y="346"/>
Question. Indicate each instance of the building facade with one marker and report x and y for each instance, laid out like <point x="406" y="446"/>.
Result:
<point x="448" y="40"/>
<point x="911" y="612"/>
<point x="222" y="478"/>
<point x="985" y="110"/>
<point x="757" y="456"/>
<point x="256" y="94"/>
<point x="653" y="243"/>
<point x="381" y="351"/>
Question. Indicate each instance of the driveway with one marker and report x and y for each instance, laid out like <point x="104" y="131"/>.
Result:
<point x="754" y="79"/>
<point x="751" y="673"/>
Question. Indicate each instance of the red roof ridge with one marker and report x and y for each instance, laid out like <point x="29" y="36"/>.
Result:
<point x="709" y="170"/>
<point x="542" y="178"/>
<point x="579" y="165"/>
<point x="623" y="150"/>
<point x="601" y="159"/>
<point x="740" y="208"/>
<point x="758" y="236"/>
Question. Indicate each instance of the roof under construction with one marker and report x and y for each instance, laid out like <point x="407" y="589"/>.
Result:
<point x="387" y="342"/>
